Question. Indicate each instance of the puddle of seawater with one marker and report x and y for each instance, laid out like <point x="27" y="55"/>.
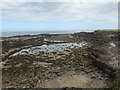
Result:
<point x="112" y="45"/>
<point x="1" y="40"/>
<point x="49" y="48"/>
<point x="53" y="40"/>
<point x="12" y="38"/>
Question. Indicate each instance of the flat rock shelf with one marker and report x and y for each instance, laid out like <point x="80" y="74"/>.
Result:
<point x="81" y="60"/>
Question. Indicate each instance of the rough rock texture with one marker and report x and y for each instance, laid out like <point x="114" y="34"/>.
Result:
<point x="95" y="62"/>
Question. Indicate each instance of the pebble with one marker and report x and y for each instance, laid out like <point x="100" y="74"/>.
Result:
<point x="93" y="76"/>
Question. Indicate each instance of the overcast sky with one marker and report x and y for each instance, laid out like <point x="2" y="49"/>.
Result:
<point x="40" y="16"/>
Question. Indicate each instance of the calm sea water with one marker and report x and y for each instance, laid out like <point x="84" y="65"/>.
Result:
<point x="7" y="34"/>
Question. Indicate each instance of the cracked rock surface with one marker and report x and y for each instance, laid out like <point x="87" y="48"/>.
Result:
<point x="84" y="60"/>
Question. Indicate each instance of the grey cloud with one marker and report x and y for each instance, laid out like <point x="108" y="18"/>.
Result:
<point x="110" y="8"/>
<point x="37" y="11"/>
<point x="33" y="7"/>
<point x="46" y="6"/>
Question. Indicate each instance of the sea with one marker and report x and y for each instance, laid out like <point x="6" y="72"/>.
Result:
<point x="8" y="34"/>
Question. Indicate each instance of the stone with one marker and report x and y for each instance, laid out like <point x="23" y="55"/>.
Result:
<point x="93" y="76"/>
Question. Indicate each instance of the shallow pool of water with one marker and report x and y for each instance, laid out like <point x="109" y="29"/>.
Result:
<point x="53" y="40"/>
<point x="112" y="45"/>
<point x="49" y="48"/>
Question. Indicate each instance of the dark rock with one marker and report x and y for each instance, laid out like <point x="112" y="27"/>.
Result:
<point x="93" y="76"/>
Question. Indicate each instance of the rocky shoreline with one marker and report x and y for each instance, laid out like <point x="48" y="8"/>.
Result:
<point x="83" y="60"/>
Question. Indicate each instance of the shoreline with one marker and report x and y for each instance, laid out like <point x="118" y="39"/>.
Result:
<point x="37" y="33"/>
<point x="15" y="34"/>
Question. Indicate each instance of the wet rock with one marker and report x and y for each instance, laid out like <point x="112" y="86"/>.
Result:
<point x="93" y="76"/>
<point x="83" y="69"/>
<point x="70" y="58"/>
<point x="58" y="74"/>
<point x="100" y="78"/>
<point x="7" y="81"/>
<point x="54" y="52"/>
